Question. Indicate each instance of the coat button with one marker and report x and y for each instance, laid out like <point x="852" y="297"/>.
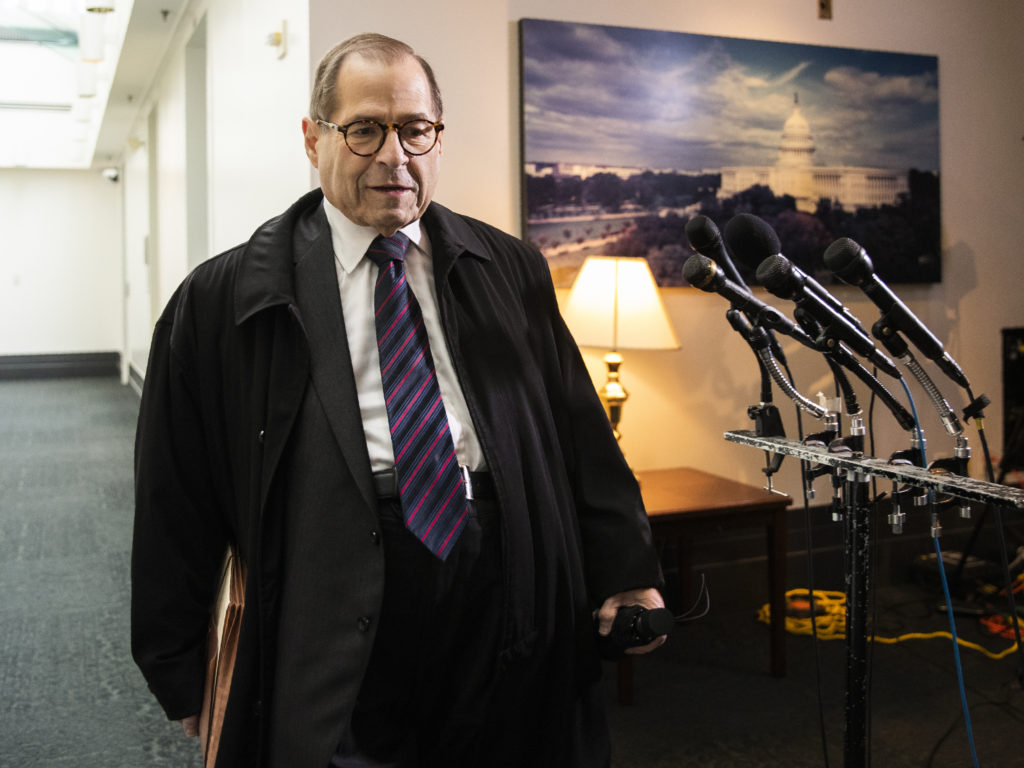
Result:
<point x="363" y="623"/>
<point x="375" y="537"/>
<point x="260" y="436"/>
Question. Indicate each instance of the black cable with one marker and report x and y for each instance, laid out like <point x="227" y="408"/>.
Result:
<point x="814" y="624"/>
<point x="873" y="571"/>
<point x="1001" y="535"/>
<point x="809" y="539"/>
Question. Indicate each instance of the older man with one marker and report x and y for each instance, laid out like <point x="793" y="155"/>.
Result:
<point x="376" y="402"/>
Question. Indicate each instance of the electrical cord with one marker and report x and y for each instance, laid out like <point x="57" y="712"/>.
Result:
<point x="829" y="622"/>
<point x="979" y="422"/>
<point x="945" y="590"/>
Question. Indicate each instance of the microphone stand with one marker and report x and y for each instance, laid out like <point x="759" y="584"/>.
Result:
<point x="857" y="555"/>
<point x="839" y="354"/>
<point x="855" y="470"/>
<point x="957" y="463"/>
<point x="766" y="417"/>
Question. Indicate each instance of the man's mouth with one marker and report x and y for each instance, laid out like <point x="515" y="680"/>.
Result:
<point x="391" y="189"/>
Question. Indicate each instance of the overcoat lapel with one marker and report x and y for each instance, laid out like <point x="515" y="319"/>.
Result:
<point x="316" y="293"/>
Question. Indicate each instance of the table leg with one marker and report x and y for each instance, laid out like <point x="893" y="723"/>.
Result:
<point x="625" y="680"/>
<point x="777" y="591"/>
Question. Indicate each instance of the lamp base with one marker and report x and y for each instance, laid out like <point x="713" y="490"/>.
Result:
<point x="613" y="394"/>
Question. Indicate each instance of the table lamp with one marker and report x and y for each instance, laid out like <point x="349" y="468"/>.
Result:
<point x="614" y="304"/>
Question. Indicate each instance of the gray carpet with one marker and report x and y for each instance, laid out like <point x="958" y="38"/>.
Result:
<point x="71" y="696"/>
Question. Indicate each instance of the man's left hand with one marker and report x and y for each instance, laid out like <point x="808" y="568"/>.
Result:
<point x="648" y="598"/>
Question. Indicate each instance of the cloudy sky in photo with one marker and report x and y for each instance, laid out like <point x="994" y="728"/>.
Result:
<point x="666" y="100"/>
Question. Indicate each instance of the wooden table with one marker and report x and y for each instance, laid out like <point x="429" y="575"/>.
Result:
<point x="684" y="503"/>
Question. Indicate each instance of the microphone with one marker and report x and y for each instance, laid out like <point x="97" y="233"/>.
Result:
<point x="703" y="273"/>
<point x="753" y="240"/>
<point x="851" y="264"/>
<point x="705" y="238"/>
<point x="633" y="626"/>
<point x="782" y="278"/>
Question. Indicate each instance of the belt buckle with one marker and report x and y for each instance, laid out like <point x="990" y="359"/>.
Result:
<point x="466" y="481"/>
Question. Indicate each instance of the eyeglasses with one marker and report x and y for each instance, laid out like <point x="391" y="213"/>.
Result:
<point x="366" y="137"/>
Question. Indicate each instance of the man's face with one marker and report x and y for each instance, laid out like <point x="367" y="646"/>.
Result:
<point x="389" y="189"/>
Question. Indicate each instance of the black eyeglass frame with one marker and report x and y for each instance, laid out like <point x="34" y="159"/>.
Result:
<point x="396" y="127"/>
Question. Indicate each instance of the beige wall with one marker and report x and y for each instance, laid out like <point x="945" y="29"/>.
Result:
<point x="681" y="402"/>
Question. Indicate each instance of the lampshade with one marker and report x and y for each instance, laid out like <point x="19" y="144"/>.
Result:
<point x="614" y="304"/>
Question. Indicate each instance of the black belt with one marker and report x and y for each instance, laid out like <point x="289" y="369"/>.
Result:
<point x="479" y="485"/>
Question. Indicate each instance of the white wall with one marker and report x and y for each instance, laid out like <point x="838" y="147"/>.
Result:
<point x="60" y="262"/>
<point x="255" y="165"/>
<point x="169" y="256"/>
<point x="681" y="402"/>
<point x="139" y="306"/>
<point x="256" y="105"/>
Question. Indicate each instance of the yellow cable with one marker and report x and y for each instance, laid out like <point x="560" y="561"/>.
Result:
<point x="831" y="624"/>
<point x="948" y="636"/>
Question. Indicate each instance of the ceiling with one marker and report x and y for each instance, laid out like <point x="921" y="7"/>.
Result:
<point x="47" y="117"/>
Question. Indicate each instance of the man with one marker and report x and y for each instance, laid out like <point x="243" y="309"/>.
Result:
<point x="266" y="423"/>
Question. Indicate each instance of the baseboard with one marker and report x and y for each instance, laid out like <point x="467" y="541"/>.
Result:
<point x="135" y="379"/>
<point x="60" y="366"/>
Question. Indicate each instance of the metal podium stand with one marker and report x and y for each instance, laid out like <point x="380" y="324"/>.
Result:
<point x="856" y="470"/>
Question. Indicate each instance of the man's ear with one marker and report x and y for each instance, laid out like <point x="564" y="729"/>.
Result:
<point x="311" y="135"/>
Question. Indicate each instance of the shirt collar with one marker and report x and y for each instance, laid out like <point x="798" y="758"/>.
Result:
<point x="352" y="240"/>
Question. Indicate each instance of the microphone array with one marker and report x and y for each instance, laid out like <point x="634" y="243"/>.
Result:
<point x="821" y="321"/>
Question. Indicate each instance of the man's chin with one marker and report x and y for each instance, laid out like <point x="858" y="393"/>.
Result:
<point x="388" y="224"/>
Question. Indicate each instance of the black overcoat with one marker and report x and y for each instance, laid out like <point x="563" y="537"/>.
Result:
<point x="229" y="364"/>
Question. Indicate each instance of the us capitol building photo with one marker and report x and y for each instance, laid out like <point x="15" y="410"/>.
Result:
<point x="796" y="175"/>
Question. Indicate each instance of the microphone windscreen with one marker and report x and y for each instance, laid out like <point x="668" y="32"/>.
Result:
<point x="697" y="269"/>
<point x="774" y="273"/>
<point x="655" y="622"/>
<point x="702" y="233"/>
<point x="848" y="261"/>
<point x="751" y="239"/>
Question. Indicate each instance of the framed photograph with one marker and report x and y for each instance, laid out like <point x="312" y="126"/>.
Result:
<point x="629" y="133"/>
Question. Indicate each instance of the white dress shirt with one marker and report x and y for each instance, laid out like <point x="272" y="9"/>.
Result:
<point x="357" y="276"/>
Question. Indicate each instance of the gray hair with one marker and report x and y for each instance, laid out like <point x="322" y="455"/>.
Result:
<point x="324" y="98"/>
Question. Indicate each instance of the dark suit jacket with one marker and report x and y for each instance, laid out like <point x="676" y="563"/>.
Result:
<point x="237" y="376"/>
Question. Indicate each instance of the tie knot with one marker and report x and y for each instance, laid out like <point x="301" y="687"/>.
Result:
<point x="385" y="249"/>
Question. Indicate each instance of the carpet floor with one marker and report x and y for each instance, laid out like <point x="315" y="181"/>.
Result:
<point x="70" y="694"/>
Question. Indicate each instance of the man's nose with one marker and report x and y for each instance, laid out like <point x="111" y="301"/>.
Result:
<point x="392" y="154"/>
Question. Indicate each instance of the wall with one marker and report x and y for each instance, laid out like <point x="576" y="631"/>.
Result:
<point x="256" y="104"/>
<point x="681" y="402"/>
<point x="60" y="262"/>
<point x="255" y="165"/>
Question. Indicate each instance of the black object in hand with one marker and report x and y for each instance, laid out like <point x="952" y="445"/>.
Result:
<point x="633" y="626"/>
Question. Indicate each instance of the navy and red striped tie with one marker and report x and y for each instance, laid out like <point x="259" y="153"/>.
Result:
<point x="431" y="488"/>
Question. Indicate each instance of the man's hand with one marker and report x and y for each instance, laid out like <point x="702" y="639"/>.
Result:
<point x="648" y="598"/>
<point x="190" y="726"/>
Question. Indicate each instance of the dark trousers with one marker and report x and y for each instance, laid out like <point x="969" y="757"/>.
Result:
<point x="426" y="691"/>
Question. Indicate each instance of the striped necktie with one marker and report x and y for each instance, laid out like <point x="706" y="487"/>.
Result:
<point x="430" y="483"/>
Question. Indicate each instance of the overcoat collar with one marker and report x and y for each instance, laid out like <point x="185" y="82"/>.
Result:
<point x="266" y="275"/>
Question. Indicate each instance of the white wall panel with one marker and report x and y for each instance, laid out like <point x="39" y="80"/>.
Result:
<point x="256" y="104"/>
<point x="60" y="262"/>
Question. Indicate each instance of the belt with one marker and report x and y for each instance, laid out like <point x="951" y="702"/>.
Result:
<point x="479" y="485"/>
